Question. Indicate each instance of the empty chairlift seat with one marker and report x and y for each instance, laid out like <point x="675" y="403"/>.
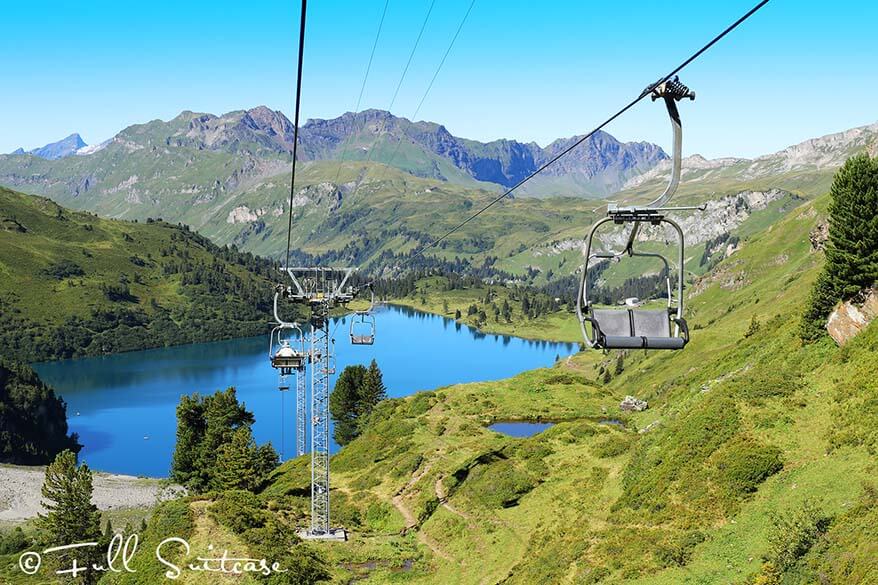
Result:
<point x="363" y="329"/>
<point x="637" y="329"/>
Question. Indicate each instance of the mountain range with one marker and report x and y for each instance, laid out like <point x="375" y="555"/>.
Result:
<point x="228" y="177"/>
<point x="423" y="149"/>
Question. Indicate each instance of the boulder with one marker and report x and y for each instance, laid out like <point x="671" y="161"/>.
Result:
<point x="851" y="317"/>
<point x="818" y="236"/>
<point x="632" y="403"/>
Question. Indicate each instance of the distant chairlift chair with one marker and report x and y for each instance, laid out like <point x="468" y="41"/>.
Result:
<point x="363" y="326"/>
<point x="631" y="327"/>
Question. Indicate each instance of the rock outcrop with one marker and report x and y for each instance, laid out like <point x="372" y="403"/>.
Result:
<point x="851" y="317"/>
<point x="818" y="236"/>
<point x="630" y="403"/>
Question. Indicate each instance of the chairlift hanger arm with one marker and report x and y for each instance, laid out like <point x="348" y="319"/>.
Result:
<point x="671" y="91"/>
<point x="281" y="322"/>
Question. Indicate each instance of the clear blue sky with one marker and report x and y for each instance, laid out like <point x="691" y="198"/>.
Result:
<point x="527" y="70"/>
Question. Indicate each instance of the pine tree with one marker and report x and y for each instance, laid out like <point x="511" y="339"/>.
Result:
<point x="506" y="311"/>
<point x="266" y="460"/>
<point x="236" y="463"/>
<point x="373" y="391"/>
<point x="190" y="434"/>
<point x="204" y="425"/>
<point x="344" y="403"/>
<point x="71" y="517"/>
<point x="354" y="397"/>
<point x="852" y="250"/>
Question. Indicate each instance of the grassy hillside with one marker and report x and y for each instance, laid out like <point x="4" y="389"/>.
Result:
<point x="75" y="284"/>
<point x="731" y="476"/>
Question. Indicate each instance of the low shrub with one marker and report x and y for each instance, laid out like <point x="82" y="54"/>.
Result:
<point x="742" y="464"/>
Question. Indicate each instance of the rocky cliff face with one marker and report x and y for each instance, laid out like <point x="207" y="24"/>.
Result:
<point x="824" y="153"/>
<point x="851" y="317"/>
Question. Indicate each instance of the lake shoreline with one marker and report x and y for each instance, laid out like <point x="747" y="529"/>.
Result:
<point x="21" y="498"/>
<point x="489" y="331"/>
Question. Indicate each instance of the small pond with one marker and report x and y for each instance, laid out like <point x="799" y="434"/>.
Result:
<point x="519" y="429"/>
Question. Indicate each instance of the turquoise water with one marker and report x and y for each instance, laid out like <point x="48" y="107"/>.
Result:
<point x="519" y="429"/>
<point x="123" y="406"/>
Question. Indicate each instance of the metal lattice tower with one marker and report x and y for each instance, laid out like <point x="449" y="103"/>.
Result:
<point x="321" y="370"/>
<point x="301" y="385"/>
<point x="321" y="289"/>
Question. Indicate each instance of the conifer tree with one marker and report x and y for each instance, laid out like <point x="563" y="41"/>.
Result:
<point x="71" y="517"/>
<point x="374" y="390"/>
<point x="236" y="463"/>
<point x="852" y="250"/>
<point x="354" y="397"/>
<point x="344" y="403"/>
<point x="205" y="424"/>
<point x="190" y="434"/>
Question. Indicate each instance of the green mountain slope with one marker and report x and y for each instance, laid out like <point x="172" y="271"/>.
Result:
<point x="75" y="284"/>
<point x="745" y="442"/>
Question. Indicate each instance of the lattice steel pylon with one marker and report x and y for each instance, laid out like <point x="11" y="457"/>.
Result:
<point x="321" y="370"/>
<point x="301" y="408"/>
<point x="321" y="289"/>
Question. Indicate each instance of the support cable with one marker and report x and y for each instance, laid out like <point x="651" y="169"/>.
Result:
<point x="429" y="86"/>
<point x="396" y="92"/>
<point x="567" y="150"/>
<point x="296" y="127"/>
<point x="362" y="88"/>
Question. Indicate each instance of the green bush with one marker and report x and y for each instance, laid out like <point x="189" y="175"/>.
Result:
<point x="613" y="446"/>
<point x="742" y="464"/>
<point x="677" y="551"/>
<point x="13" y="541"/>
<point x="64" y="269"/>
<point x="498" y="485"/>
<point x="420" y="403"/>
<point x="678" y="451"/>
<point x="239" y="511"/>
<point x="792" y="535"/>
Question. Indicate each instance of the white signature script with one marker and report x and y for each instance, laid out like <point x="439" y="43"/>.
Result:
<point x="121" y="551"/>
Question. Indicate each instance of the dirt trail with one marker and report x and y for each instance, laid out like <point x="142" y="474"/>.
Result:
<point x="411" y="521"/>
<point x="443" y="501"/>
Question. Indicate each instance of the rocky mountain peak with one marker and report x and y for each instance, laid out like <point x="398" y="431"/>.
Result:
<point x="55" y="150"/>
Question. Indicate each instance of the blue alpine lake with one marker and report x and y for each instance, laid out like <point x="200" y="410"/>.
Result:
<point x="123" y="406"/>
<point x="519" y="429"/>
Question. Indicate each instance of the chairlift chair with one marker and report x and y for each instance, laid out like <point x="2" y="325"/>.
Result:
<point x="286" y="345"/>
<point x="632" y="327"/>
<point x="363" y="325"/>
<point x="284" y="356"/>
